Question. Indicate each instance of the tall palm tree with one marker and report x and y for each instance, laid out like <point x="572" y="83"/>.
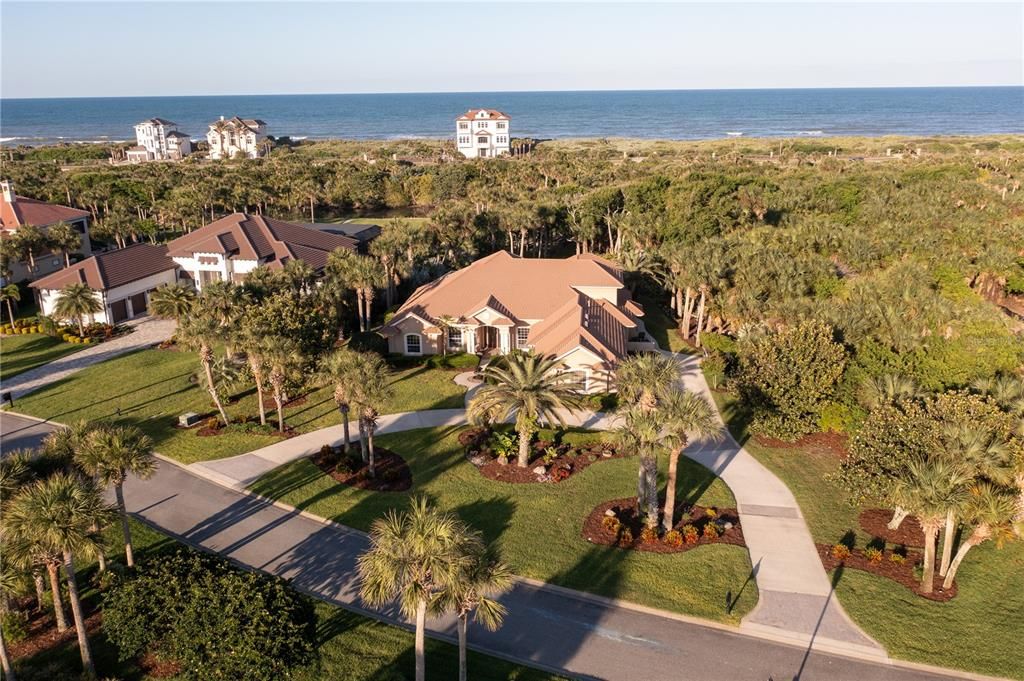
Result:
<point x="284" y="359"/>
<point x="226" y="302"/>
<point x="528" y="387"/>
<point x="415" y="556"/>
<point x="26" y="242"/>
<point x="641" y="434"/>
<point x="342" y="368"/>
<point x="10" y="294"/>
<point x="643" y="380"/>
<point x="362" y="274"/>
<point x="989" y="510"/>
<point x="685" y="415"/>
<point x="172" y="301"/>
<point x="59" y="512"/>
<point x="255" y="346"/>
<point x="65" y="239"/>
<point x="109" y="454"/>
<point x="372" y="391"/>
<point x="75" y="301"/>
<point x="483" y="578"/>
<point x="202" y="331"/>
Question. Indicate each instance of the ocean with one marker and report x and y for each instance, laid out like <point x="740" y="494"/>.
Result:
<point x="653" y="114"/>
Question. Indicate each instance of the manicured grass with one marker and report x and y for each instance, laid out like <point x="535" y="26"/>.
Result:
<point x="151" y="388"/>
<point x="660" y="325"/>
<point x="27" y="351"/>
<point x="351" y="647"/>
<point x="538" y="526"/>
<point x="979" y="630"/>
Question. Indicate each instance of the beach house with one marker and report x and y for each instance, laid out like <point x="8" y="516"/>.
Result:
<point x="19" y="211"/>
<point x="231" y="247"/>
<point x="482" y="133"/>
<point x="245" y="137"/>
<point x="576" y="309"/>
<point x="159" y="140"/>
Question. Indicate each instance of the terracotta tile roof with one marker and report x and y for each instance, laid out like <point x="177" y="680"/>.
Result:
<point x="257" y="237"/>
<point x="494" y="114"/>
<point x="584" y="322"/>
<point x="111" y="269"/>
<point x="26" y="211"/>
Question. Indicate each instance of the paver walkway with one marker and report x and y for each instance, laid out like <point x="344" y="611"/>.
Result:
<point x="148" y="331"/>
<point x="796" y="599"/>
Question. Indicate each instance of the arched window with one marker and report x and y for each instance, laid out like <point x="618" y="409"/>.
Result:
<point x="413" y="344"/>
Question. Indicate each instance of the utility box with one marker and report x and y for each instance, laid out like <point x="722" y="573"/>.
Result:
<point x="189" y="419"/>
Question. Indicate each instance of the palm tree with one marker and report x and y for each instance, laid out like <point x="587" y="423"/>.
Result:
<point x="255" y="346"/>
<point x="347" y="270"/>
<point x="445" y="323"/>
<point x="27" y="241"/>
<point x="641" y="433"/>
<point x="59" y="512"/>
<point x="528" y="387"/>
<point x="172" y="301"/>
<point x="928" y="489"/>
<point x="201" y="331"/>
<point x="226" y="302"/>
<point x="109" y="454"/>
<point x="685" y="415"/>
<point x="342" y="368"/>
<point x="8" y="588"/>
<point x="65" y="239"/>
<point x="372" y="391"/>
<point x="990" y="510"/>
<point x="877" y="391"/>
<point x="75" y="301"/>
<point x="284" y="359"/>
<point x="8" y="294"/>
<point x="482" y="579"/>
<point x="643" y="380"/>
<point x="415" y="556"/>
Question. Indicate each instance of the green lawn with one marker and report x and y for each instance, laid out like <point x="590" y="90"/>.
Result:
<point x="351" y="647"/>
<point x="538" y="527"/>
<point x="151" y="388"/>
<point x="979" y="630"/>
<point x="23" y="352"/>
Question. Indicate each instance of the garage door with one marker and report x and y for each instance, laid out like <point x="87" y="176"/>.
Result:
<point x="119" y="310"/>
<point x="139" y="304"/>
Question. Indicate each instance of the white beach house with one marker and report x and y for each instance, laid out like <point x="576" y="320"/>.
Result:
<point x="159" y="140"/>
<point x="237" y="137"/>
<point x="482" y="133"/>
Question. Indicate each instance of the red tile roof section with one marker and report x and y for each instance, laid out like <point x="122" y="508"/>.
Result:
<point x="111" y="269"/>
<point x="26" y="211"/>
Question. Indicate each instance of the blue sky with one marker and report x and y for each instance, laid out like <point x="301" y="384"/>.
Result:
<point x="120" y="49"/>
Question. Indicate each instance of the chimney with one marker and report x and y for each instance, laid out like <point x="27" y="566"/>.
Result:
<point x="222" y="118"/>
<point x="8" y="189"/>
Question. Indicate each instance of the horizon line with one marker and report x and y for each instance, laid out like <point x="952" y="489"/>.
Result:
<point x="511" y="92"/>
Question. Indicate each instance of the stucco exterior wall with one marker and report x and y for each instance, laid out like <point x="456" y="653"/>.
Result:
<point x="47" y="298"/>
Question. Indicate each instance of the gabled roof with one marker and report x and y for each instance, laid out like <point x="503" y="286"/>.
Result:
<point x="492" y="114"/>
<point x="237" y="123"/>
<point x="583" y="321"/>
<point x="26" y="211"/>
<point x="157" y="121"/>
<point x="109" y="270"/>
<point x="257" y="237"/>
<point x="175" y="133"/>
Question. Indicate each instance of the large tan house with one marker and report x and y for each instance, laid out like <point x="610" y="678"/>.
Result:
<point x="575" y="309"/>
<point x="18" y="211"/>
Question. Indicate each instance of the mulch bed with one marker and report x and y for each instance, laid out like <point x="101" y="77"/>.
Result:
<point x="211" y="426"/>
<point x="158" y="669"/>
<point x="836" y="443"/>
<point x="568" y="463"/>
<point x="595" y="531"/>
<point x="901" y="573"/>
<point x="270" y="405"/>
<point x="875" y="522"/>
<point x="42" y="630"/>
<point x="393" y="474"/>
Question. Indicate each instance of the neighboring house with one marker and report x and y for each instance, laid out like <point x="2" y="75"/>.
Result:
<point x="230" y="248"/>
<point x="481" y="133"/>
<point x="363" y="232"/>
<point x="159" y="140"/>
<point x="18" y="211"/>
<point x="122" y="279"/>
<point x="576" y="309"/>
<point x="236" y="137"/>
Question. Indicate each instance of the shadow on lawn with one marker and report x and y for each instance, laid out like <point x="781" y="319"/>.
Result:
<point x="106" y="399"/>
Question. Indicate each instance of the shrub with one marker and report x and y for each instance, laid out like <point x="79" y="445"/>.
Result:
<point x="504" y="443"/>
<point x="626" y="538"/>
<point x="15" y="626"/>
<point x="649" y="535"/>
<point x="550" y="454"/>
<point x="611" y="523"/>
<point x="327" y="452"/>
<point x="710" y="531"/>
<point x="673" y="538"/>
<point x="835" y="418"/>
<point x="690" y="534"/>
<point x="717" y="342"/>
<point x="711" y="512"/>
<point x="897" y="558"/>
<point x="873" y="555"/>
<point x="840" y="551"/>
<point x="559" y="474"/>
<point x="215" y="620"/>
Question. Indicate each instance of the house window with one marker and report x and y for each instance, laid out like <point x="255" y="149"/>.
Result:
<point x="501" y="126"/>
<point x="501" y="139"/>
<point x="454" y="339"/>
<point x="412" y="344"/>
<point x="481" y="140"/>
<point x="463" y="139"/>
<point x="522" y="333"/>
<point x="463" y="126"/>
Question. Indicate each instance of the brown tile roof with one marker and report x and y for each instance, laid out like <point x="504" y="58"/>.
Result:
<point x="26" y="211"/>
<point x="494" y="115"/>
<point x="111" y="269"/>
<point x="257" y="237"/>
<point x="593" y="324"/>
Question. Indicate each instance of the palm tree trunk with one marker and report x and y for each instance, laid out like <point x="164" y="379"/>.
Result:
<point x="258" y="377"/>
<point x="368" y="307"/>
<point x="58" y="606"/>
<point x="205" y="355"/>
<point x="928" y="574"/>
<point x="524" y="448"/>
<point x="279" y="403"/>
<point x="362" y="441"/>
<point x="650" y="466"/>
<point x="462" y="645"/>
<point x="129" y="556"/>
<point x="370" y="427"/>
<point x="76" y="611"/>
<point x="976" y="538"/>
<point x="668" y="522"/>
<point x="898" y="516"/>
<point x="359" y="309"/>
<point x="343" y="408"/>
<point x="687" y="312"/>
<point x="1018" y="517"/>
<point x="81" y="326"/>
<point x="101" y="557"/>
<point x="947" y="543"/>
<point x="10" y="311"/>
<point x="421" y="625"/>
<point x="40" y="584"/>
<point x="700" y="316"/>
<point x="5" y="662"/>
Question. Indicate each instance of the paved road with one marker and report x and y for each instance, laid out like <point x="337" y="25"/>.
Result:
<point x="19" y="432"/>
<point x="545" y="626"/>
<point x="148" y="332"/>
